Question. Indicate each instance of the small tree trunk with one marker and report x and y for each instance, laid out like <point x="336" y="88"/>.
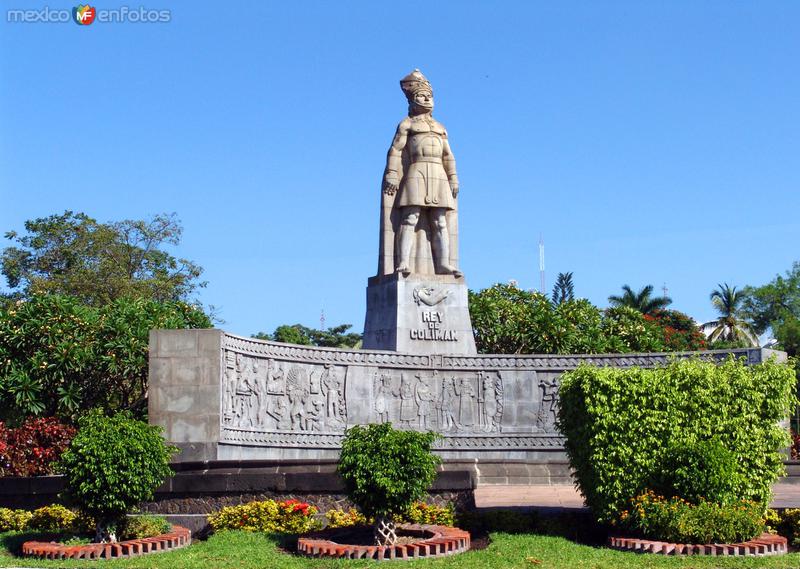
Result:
<point x="104" y="533"/>
<point x="384" y="531"/>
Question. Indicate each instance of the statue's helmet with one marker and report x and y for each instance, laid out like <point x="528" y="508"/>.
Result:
<point x="413" y="83"/>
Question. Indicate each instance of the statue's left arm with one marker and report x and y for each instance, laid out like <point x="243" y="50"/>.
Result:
<point x="449" y="163"/>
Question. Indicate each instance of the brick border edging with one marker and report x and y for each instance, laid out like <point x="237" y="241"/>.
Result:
<point x="444" y="541"/>
<point x="176" y="538"/>
<point x="765" y="544"/>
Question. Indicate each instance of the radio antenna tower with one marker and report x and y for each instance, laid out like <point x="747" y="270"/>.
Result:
<point x="541" y="263"/>
<point x="322" y="319"/>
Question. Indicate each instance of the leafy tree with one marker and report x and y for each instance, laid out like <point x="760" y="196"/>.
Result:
<point x="59" y="356"/>
<point x="336" y="337"/>
<point x="643" y="301"/>
<point x="75" y="255"/>
<point x="385" y="470"/>
<point x="564" y="289"/>
<point x="768" y="305"/>
<point x="509" y="320"/>
<point x="787" y="333"/>
<point x="111" y="465"/>
<point x="731" y="325"/>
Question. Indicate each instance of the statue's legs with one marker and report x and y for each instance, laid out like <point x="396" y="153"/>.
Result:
<point x="406" y="238"/>
<point x="441" y="242"/>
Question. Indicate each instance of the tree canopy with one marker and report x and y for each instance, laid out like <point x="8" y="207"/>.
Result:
<point x="335" y="337"/>
<point x="643" y="301"/>
<point x="564" y="289"/>
<point x="731" y="326"/>
<point x="73" y="254"/>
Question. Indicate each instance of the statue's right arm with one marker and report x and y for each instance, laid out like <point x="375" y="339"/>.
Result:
<point x="394" y="158"/>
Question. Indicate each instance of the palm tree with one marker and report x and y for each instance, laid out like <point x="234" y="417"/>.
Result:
<point x="564" y="289"/>
<point x="730" y="326"/>
<point x="643" y="301"/>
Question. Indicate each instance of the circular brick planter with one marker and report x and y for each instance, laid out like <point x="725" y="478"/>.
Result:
<point x="765" y="544"/>
<point x="177" y="537"/>
<point x="434" y="541"/>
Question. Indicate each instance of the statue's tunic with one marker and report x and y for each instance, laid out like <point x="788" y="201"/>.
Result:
<point x="425" y="183"/>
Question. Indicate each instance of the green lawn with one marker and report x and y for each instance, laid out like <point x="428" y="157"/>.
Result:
<point x="242" y="550"/>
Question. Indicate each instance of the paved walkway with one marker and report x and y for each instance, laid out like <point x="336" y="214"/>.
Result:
<point x="563" y="496"/>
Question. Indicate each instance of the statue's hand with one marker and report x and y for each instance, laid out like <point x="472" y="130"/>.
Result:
<point x="454" y="188"/>
<point x="390" y="186"/>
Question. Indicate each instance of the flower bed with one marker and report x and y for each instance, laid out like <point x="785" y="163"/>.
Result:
<point x="765" y="544"/>
<point x="176" y="538"/>
<point x="432" y="541"/>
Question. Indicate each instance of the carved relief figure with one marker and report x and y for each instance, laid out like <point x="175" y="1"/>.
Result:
<point x="244" y="393"/>
<point x="408" y="404"/>
<point x="229" y="398"/>
<point x="297" y="390"/>
<point x="420" y="187"/>
<point x="382" y="391"/>
<point x="546" y="417"/>
<point x="466" y="403"/>
<point x="490" y="401"/>
<point x="333" y="390"/>
<point x="275" y="379"/>
<point x="448" y="405"/>
<point x="425" y="397"/>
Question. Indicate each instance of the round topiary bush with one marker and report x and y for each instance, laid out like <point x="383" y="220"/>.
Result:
<point x="385" y="470"/>
<point x="111" y="465"/>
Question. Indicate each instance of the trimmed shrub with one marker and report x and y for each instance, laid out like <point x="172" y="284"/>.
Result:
<point x="676" y="520"/>
<point x="14" y="520"/>
<point x="52" y="518"/>
<point x="622" y="427"/>
<point x="384" y="469"/>
<point x="112" y="464"/>
<point x="33" y="448"/>
<point x="140" y="527"/>
<point x="699" y="470"/>
<point x="288" y="516"/>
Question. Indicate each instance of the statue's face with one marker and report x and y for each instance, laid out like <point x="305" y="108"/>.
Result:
<point x="423" y="100"/>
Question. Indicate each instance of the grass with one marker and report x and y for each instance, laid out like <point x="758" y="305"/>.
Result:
<point x="241" y="550"/>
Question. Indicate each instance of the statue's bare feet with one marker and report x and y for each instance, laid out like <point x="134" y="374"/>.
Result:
<point x="448" y="270"/>
<point x="404" y="270"/>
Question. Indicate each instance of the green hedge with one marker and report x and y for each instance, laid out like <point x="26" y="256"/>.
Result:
<point x="623" y="427"/>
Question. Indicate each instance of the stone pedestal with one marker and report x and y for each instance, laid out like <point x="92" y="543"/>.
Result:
<point x="418" y="314"/>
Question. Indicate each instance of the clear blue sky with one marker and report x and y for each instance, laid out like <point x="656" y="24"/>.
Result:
<point x="649" y="142"/>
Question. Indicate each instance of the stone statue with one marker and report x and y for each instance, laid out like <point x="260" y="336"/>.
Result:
<point x="419" y="227"/>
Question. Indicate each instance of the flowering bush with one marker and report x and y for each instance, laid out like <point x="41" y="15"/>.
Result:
<point x="679" y="332"/>
<point x="288" y="516"/>
<point x="14" y="520"/>
<point x="339" y="518"/>
<point x="422" y="513"/>
<point x="34" y="447"/>
<point x="786" y="523"/>
<point x="677" y="520"/>
<point x="52" y="518"/>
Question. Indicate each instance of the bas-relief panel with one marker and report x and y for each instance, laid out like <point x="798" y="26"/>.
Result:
<point x="272" y="395"/>
<point x="278" y="403"/>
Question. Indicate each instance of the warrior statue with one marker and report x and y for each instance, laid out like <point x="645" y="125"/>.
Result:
<point x="419" y="229"/>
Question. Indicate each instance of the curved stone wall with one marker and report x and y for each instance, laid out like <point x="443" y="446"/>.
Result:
<point x="220" y="396"/>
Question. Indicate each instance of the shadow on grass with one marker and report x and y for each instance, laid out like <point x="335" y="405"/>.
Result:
<point x="12" y="542"/>
<point x="575" y="525"/>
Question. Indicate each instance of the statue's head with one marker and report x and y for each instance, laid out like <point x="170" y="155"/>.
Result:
<point x="418" y="92"/>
